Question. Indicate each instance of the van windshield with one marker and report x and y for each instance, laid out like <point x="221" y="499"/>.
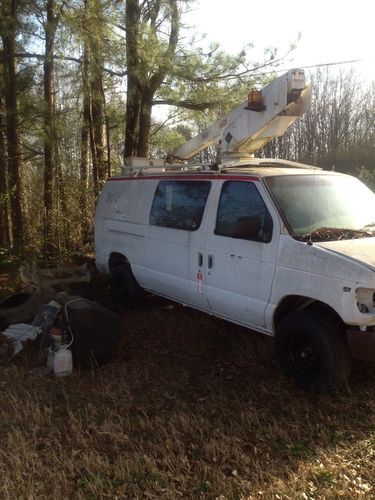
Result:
<point x="324" y="207"/>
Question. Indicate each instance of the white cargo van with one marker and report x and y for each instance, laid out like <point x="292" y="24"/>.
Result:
<point x="278" y="247"/>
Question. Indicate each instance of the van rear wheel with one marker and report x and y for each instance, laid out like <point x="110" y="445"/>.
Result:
<point x="124" y="287"/>
<point x="311" y="348"/>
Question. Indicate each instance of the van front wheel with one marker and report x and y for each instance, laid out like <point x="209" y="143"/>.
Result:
<point x="311" y="348"/>
<point x="124" y="287"/>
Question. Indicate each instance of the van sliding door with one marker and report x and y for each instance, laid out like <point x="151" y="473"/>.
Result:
<point x="177" y="238"/>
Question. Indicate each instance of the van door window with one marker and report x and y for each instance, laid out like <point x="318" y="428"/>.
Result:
<point x="179" y="204"/>
<point x="242" y="213"/>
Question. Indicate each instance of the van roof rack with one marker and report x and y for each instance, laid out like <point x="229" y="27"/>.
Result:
<point x="265" y="162"/>
<point x="142" y="166"/>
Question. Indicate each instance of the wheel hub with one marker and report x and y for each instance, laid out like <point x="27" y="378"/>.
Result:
<point x="304" y="356"/>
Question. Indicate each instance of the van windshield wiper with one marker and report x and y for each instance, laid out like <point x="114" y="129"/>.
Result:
<point x="334" y="234"/>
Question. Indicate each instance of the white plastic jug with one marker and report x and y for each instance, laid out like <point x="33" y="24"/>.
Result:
<point x="62" y="362"/>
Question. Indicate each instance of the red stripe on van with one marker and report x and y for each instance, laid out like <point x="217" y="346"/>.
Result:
<point x="186" y="177"/>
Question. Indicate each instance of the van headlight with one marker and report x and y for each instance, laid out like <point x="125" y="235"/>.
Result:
<point x="365" y="300"/>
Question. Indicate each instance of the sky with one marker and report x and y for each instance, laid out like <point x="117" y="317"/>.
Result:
<point x="331" y="30"/>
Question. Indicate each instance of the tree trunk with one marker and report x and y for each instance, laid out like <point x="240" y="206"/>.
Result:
<point x="133" y="96"/>
<point x="85" y="141"/>
<point x="62" y="228"/>
<point x="4" y="194"/>
<point x="49" y="124"/>
<point x="12" y="129"/>
<point x="140" y="93"/>
<point x="144" y="124"/>
<point x="98" y="122"/>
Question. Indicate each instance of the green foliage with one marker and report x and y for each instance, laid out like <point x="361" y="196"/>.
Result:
<point x="207" y="84"/>
<point x="199" y="86"/>
<point x="166" y="139"/>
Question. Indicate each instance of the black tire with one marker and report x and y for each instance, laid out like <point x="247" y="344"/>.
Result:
<point x="125" y="288"/>
<point x="311" y="348"/>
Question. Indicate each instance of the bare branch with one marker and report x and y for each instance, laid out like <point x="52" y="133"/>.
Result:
<point x="78" y="60"/>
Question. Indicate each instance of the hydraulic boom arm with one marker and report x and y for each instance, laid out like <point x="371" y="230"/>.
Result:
<point x="253" y="123"/>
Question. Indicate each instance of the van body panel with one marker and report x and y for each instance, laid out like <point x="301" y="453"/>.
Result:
<point x="121" y="224"/>
<point x="314" y="272"/>
<point x="361" y="250"/>
<point x="241" y="280"/>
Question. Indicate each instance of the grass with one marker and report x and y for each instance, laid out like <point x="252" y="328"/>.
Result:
<point x="188" y="407"/>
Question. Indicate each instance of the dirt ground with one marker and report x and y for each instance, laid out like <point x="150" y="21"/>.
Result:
<point x="188" y="406"/>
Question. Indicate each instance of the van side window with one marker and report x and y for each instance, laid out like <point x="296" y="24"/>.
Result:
<point x="242" y="213"/>
<point x="179" y="204"/>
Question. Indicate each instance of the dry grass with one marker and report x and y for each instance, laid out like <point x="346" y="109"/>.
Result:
<point x="189" y="407"/>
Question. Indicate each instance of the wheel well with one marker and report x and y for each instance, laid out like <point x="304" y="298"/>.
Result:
<point x="116" y="259"/>
<point x="297" y="303"/>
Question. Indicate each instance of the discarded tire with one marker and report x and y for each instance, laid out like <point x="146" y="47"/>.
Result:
<point x="19" y="308"/>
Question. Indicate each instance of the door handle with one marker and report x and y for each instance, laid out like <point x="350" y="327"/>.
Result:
<point x="210" y="261"/>
<point x="200" y="259"/>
